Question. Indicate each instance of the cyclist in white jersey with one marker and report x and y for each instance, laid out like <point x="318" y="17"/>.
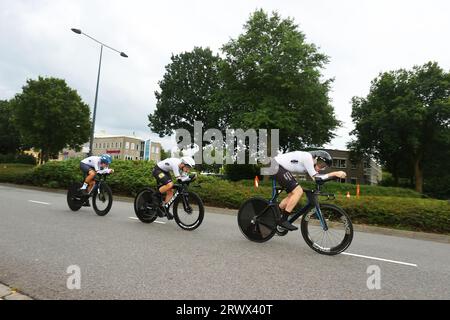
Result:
<point x="300" y="162"/>
<point x="179" y="167"/>
<point x="91" y="166"/>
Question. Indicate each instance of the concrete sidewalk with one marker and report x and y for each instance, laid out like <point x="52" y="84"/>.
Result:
<point x="7" y="293"/>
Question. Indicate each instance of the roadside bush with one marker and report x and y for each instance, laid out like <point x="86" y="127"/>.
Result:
<point x="18" y="158"/>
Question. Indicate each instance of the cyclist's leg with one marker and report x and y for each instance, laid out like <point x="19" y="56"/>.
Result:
<point x="167" y="189"/>
<point x="88" y="174"/>
<point x="288" y="182"/>
<point x="90" y="179"/>
<point x="292" y="199"/>
<point x="164" y="182"/>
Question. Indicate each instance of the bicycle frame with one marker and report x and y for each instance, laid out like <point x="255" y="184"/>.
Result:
<point x="180" y="189"/>
<point x="312" y="202"/>
<point x="99" y="179"/>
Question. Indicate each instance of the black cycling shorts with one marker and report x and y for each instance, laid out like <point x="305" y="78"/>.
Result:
<point x="286" y="179"/>
<point x="162" y="177"/>
<point x="85" y="168"/>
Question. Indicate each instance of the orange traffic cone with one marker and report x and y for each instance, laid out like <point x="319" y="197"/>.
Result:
<point x="348" y="194"/>
<point x="256" y="182"/>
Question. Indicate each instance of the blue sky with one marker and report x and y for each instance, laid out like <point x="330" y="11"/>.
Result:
<point x="362" y="38"/>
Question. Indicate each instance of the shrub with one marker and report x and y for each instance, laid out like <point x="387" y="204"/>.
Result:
<point x="18" y="158"/>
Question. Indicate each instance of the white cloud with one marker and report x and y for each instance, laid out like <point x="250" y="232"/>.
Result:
<point x="362" y="38"/>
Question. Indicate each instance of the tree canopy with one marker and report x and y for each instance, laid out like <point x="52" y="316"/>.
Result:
<point x="269" y="78"/>
<point x="51" y="116"/>
<point x="405" y="120"/>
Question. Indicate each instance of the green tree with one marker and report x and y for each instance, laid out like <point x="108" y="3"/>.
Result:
<point x="404" y="121"/>
<point x="51" y="116"/>
<point x="189" y="92"/>
<point x="165" y="154"/>
<point x="272" y="80"/>
<point x="10" y="141"/>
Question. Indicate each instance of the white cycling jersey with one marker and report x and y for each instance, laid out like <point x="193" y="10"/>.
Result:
<point x="94" y="162"/>
<point x="297" y="162"/>
<point x="172" y="164"/>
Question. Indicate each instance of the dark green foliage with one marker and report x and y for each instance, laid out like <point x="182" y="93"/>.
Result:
<point x="17" y="158"/>
<point x="404" y="123"/>
<point x="51" y="116"/>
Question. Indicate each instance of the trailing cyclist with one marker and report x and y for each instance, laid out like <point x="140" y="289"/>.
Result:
<point x="300" y="162"/>
<point x="180" y="168"/>
<point x="91" y="166"/>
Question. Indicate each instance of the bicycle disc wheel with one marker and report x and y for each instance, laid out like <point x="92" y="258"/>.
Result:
<point x="143" y="206"/>
<point x="102" y="200"/>
<point x="74" y="198"/>
<point x="257" y="220"/>
<point x="333" y="241"/>
<point x="191" y="216"/>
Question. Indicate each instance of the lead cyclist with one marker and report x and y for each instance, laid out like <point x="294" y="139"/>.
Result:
<point x="311" y="162"/>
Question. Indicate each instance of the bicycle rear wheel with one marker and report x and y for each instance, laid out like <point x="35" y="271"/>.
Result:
<point x="75" y="199"/>
<point x="257" y="220"/>
<point x="143" y="206"/>
<point x="333" y="241"/>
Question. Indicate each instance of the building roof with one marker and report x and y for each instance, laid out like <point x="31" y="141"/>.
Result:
<point x="117" y="136"/>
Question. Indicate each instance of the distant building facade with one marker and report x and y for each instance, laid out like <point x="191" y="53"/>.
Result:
<point x="152" y="150"/>
<point x="119" y="147"/>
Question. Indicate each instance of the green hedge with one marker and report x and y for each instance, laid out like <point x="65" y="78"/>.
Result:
<point x="18" y="158"/>
<point x="390" y="207"/>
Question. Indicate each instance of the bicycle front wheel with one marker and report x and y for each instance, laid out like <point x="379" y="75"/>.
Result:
<point x="102" y="200"/>
<point x="257" y="220"/>
<point x="188" y="211"/>
<point x="338" y="236"/>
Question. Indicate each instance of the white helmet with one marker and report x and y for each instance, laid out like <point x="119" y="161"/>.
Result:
<point x="188" y="161"/>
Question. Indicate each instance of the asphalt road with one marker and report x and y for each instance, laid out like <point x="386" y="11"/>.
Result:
<point x="121" y="258"/>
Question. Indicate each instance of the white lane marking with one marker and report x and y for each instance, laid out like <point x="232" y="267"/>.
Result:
<point x="39" y="202"/>
<point x="380" y="259"/>
<point x="134" y="218"/>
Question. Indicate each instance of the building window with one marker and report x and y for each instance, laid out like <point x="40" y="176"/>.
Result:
<point x="353" y="164"/>
<point x="339" y="163"/>
<point x="120" y="145"/>
<point x="132" y="146"/>
<point x="107" y="145"/>
<point x="366" y="165"/>
<point x="127" y="145"/>
<point x="156" y="150"/>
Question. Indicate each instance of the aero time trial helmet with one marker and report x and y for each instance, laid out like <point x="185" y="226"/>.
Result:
<point x="322" y="156"/>
<point x="188" y="161"/>
<point x="106" y="158"/>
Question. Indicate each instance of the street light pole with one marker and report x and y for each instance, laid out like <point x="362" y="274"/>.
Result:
<point x="78" y="31"/>
<point x="91" y="141"/>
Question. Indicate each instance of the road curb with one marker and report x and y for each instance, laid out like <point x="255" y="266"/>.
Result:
<point x="7" y="293"/>
<point x="357" y="227"/>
